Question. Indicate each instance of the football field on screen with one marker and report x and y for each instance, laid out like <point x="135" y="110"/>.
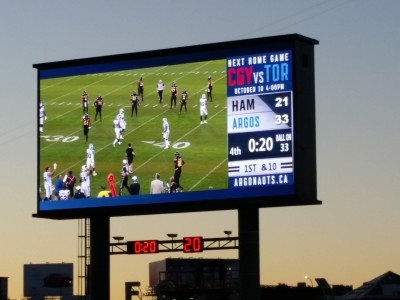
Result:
<point x="203" y="147"/>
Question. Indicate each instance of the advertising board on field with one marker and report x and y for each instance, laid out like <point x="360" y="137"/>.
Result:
<point x="241" y="130"/>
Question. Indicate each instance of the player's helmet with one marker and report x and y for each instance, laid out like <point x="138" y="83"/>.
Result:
<point x="160" y="81"/>
<point x="176" y="153"/>
<point x="121" y="110"/>
<point x="209" y="77"/>
<point x="83" y="168"/>
<point x="124" y="161"/>
<point x="203" y="96"/>
<point x="90" y="146"/>
<point x="164" y="119"/>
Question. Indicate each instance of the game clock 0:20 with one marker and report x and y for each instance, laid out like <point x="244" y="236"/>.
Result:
<point x="266" y="144"/>
<point x="142" y="247"/>
<point x="263" y="144"/>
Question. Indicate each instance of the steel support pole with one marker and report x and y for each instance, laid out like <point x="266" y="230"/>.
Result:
<point x="99" y="271"/>
<point x="249" y="253"/>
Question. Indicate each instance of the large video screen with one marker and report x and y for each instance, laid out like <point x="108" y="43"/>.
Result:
<point x="194" y="128"/>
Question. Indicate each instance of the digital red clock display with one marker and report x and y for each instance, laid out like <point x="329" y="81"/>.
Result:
<point x="193" y="244"/>
<point x="142" y="247"/>
<point x="190" y="244"/>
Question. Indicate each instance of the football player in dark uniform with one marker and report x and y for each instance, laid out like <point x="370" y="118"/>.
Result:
<point x="184" y="99"/>
<point x="130" y="155"/>
<point x="124" y="177"/>
<point x="209" y="88"/>
<point x="134" y="103"/>
<point x="69" y="181"/>
<point x="178" y="162"/>
<point x="174" y="94"/>
<point x="86" y="126"/>
<point x="98" y="103"/>
<point x="85" y="102"/>
<point x="140" y="88"/>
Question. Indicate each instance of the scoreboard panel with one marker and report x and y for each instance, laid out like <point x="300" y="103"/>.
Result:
<point x="263" y="126"/>
<point x="260" y="120"/>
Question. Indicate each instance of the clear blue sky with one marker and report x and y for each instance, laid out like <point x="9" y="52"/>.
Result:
<point x="351" y="238"/>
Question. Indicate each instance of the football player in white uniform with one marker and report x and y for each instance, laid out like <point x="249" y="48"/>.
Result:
<point x="122" y="123"/>
<point x="47" y="179"/>
<point x="160" y="90"/>
<point x="90" y="159"/>
<point x="165" y="133"/>
<point x="42" y="116"/>
<point x="203" y="109"/>
<point x="117" y="130"/>
<point x="85" y="181"/>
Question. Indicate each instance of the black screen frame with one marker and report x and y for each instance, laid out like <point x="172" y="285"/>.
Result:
<point x="305" y="183"/>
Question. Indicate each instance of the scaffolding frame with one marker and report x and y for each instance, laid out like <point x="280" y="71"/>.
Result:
<point x="83" y="257"/>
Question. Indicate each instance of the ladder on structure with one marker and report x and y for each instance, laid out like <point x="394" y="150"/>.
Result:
<point x="83" y="257"/>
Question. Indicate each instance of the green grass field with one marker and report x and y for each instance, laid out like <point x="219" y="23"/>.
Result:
<point x="203" y="147"/>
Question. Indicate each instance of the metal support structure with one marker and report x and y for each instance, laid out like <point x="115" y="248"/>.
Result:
<point x="83" y="256"/>
<point x="99" y="271"/>
<point x="223" y="243"/>
<point x="249" y="253"/>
